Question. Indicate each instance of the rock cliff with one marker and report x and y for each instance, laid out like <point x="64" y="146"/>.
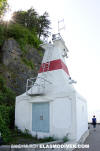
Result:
<point x="17" y="66"/>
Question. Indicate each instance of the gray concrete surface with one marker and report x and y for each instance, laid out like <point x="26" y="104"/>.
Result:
<point x="93" y="140"/>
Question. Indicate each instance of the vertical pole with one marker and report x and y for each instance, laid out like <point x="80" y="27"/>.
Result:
<point x="60" y="28"/>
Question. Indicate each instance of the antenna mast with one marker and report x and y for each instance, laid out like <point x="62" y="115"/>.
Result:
<point x="61" y="25"/>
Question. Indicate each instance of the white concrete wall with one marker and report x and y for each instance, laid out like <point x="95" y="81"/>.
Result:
<point x="59" y="80"/>
<point x="61" y="118"/>
<point x="23" y="113"/>
<point x="61" y="122"/>
<point x="81" y="116"/>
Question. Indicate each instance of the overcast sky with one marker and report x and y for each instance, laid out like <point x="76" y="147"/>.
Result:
<point x="82" y="37"/>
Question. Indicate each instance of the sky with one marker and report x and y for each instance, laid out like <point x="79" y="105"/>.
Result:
<point x="82" y="38"/>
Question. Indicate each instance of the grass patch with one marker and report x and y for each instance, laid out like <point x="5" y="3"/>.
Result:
<point x="40" y="53"/>
<point x="29" y="63"/>
<point x="23" y="36"/>
<point x="65" y="139"/>
<point x="20" y="137"/>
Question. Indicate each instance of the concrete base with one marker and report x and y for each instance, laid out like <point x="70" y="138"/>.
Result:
<point x="83" y="138"/>
<point x="81" y="141"/>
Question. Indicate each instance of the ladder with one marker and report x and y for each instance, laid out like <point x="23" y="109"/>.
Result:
<point x="40" y="82"/>
<point x="45" y="67"/>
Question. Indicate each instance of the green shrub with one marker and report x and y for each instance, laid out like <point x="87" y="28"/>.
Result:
<point x="7" y="96"/>
<point x="5" y="132"/>
<point x="40" y="53"/>
<point x="47" y="139"/>
<point x="7" y="113"/>
<point x="2" y="82"/>
<point x="26" y="133"/>
<point x="6" y="121"/>
<point x="2" y="34"/>
<point x="65" y="139"/>
<point x="7" y="110"/>
<point x="28" y="62"/>
<point x="23" y="35"/>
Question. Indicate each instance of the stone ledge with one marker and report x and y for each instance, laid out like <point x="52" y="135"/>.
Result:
<point x="5" y="148"/>
<point x="83" y="137"/>
<point x="81" y="141"/>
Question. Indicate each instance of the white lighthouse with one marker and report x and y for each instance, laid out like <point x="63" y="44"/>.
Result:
<point x="51" y="106"/>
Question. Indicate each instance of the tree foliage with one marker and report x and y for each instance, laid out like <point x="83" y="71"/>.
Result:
<point x="23" y="35"/>
<point x="2" y="34"/>
<point x="3" y="5"/>
<point x="26" y="18"/>
<point x="5" y="132"/>
<point x="7" y="96"/>
<point x="34" y="22"/>
<point x="7" y="101"/>
<point x="43" y="25"/>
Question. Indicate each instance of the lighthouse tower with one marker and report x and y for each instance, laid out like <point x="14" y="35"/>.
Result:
<point x="51" y="106"/>
<point x="53" y="77"/>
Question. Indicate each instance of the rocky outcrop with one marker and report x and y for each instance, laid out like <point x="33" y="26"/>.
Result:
<point x="17" y="66"/>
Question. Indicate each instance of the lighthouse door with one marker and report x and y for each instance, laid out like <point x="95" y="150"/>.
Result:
<point x="40" y="117"/>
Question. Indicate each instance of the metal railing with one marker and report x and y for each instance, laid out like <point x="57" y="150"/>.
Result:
<point x="32" y="83"/>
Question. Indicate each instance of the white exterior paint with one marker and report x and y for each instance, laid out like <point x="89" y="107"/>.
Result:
<point x="81" y="115"/>
<point x="68" y="110"/>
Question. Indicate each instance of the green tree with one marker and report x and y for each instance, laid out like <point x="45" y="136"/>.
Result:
<point x="30" y="19"/>
<point x="19" y="17"/>
<point x="3" y="7"/>
<point x="7" y="107"/>
<point x="43" y="25"/>
<point x="26" y="18"/>
<point x="7" y="96"/>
